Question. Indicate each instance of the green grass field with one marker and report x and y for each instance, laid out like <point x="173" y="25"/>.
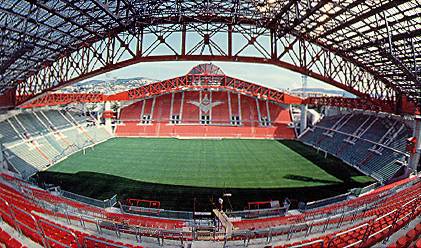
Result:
<point x="186" y="173"/>
<point x="203" y="163"/>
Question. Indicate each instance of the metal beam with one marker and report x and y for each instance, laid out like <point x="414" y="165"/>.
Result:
<point x="396" y="37"/>
<point x="63" y="17"/>
<point x="361" y="17"/>
<point x="381" y="27"/>
<point x="35" y="22"/>
<point x="336" y="14"/>
<point x="35" y="37"/>
<point x="84" y="32"/>
<point x="298" y="21"/>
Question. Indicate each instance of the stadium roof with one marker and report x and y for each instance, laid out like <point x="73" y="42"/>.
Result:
<point x="48" y="43"/>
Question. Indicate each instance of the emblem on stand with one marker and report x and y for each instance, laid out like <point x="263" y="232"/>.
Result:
<point x="205" y="105"/>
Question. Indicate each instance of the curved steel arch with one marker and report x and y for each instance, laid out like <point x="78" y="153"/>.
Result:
<point x="187" y="82"/>
<point x="371" y="48"/>
<point x="215" y="41"/>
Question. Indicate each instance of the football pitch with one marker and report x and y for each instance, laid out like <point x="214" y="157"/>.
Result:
<point x="192" y="174"/>
<point x="228" y="163"/>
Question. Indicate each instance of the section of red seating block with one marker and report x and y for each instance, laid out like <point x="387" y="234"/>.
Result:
<point x="402" y="242"/>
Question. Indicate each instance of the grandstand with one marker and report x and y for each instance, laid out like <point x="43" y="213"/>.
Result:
<point x="376" y="146"/>
<point x="207" y="159"/>
<point x="32" y="143"/>
<point x="60" y="221"/>
<point x="204" y="140"/>
<point x="244" y="116"/>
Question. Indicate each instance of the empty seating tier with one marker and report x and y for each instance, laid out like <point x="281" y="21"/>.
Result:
<point x="373" y="144"/>
<point x="220" y="114"/>
<point x="50" y="218"/>
<point x="33" y="141"/>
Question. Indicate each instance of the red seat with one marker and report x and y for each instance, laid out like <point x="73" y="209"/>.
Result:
<point x="418" y="243"/>
<point x="412" y="234"/>
<point x="9" y="241"/>
<point x="418" y="229"/>
<point x="402" y="242"/>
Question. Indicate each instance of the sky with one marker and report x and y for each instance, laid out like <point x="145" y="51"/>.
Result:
<point x="264" y="74"/>
<point x="267" y="75"/>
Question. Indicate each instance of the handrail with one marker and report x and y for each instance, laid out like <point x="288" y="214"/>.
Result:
<point x="37" y="227"/>
<point x="10" y="214"/>
<point x="41" y="221"/>
<point x="85" y="199"/>
<point x="367" y="140"/>
<point x="108" y="244"/>
<point x="318" y="241"/>
<point x="365" y="225"/>
<point x="334" y="220"/>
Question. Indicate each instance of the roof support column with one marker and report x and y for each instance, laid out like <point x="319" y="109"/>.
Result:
<point x="303" y="119"/>
<point x="108" y="114"/>
<point x="2" y="162"/>
<point x="273" y="44"/>
<point x="389" y="35"/>
<point x="414" y="160"/>
<point x="229" y="40"/>
<point x="183" y="39"/>
<point x="414" y="58"/>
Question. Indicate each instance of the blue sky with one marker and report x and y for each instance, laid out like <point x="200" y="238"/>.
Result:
<point x="268" y="75"/>
<point x="264" y="74"/>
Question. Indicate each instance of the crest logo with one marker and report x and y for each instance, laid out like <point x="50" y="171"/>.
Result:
<point x="206" y="105"/>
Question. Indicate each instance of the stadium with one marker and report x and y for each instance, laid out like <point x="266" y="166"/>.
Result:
<point x="207" y="158"/>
